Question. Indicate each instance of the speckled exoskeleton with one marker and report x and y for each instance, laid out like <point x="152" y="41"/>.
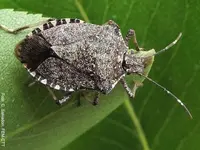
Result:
<point x="72" y="55"/>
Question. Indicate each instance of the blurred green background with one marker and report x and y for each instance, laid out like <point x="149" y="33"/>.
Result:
<point x="33" y="121"/>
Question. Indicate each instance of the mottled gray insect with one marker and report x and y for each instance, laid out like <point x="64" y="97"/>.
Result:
<point x="72" y="55"/>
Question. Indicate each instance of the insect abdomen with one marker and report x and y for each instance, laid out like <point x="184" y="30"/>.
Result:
<point x="32" y="51"/>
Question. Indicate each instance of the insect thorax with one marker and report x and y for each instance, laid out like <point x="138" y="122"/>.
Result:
<point x="138" y="62"/>
<point x="133" y="64"/>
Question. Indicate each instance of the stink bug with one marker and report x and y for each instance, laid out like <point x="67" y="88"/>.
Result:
<point x="72" y="55"/>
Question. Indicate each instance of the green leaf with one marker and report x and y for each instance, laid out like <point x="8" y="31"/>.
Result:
<point x="165" y="123"/>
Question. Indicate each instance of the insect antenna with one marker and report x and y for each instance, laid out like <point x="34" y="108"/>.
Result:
<point x="170" y="45"/>
<point x="170" y="93"/>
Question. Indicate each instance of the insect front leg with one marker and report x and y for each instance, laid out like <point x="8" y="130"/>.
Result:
<point x="112" y="23"/>
<point x="135" y="87"/>
<point x="131" y="34"/>
<point x="128" y="90"/>
<point x="15" y="31"/>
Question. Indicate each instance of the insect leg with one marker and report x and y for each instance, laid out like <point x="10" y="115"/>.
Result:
<point x="64" y="99"/>
<point x="96" y="99"/>
<point x="52" y="93"/>
<point x="128" y="90"/>
<point x="31" y="84"/>
<point x="79" y="98"/>
<point x="15" y="31"/>
<point x="135" y="87"/>
<point x="129" y="35"/>
<point x="112" y="23"/>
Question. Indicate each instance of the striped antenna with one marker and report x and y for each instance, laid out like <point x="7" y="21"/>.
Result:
<point x="170" y="45"/>
<point x="170" y="93"/>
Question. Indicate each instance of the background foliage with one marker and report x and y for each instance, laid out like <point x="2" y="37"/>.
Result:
<point x="34" y="122"/>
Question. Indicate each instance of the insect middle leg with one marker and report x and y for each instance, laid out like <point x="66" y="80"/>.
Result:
<point x="79" y="98"/>
<point x="96" y="99"/>
<point x="131" y="34"/>
<point x="65" y="98"/>
<point x="15" y="31"/>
